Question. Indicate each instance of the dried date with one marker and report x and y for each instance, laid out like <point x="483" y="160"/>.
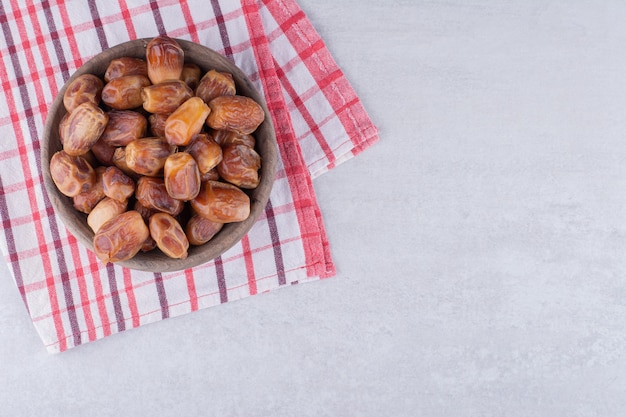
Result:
<point x="214" y="84"/>
<point x="103" y="152"/>
<point x="123" y="127"/>
<point x="121" y="237"/>
<point x="237" y="113"/>
<point x="240" y="166"/>
<point x="221" y="202"/>
<point x="169" y="235"/>
<point x="63" y="126"/>
<point x="144" y="211"/>
<point x="83" y="128"/>
<point x="186" y="121"/>
<point x="182" y="177"/>
<point x="120" y="67"/>
<point x="105" y="210"/>
<point x="71" y="174"/>
<point x="146" y="156"/>
<point x="205" y="151"/>
<point x="152" y="194"/>
<point x="157" y="124"/>
<point x="87" y="200"/>
<point x="200" y="230"/>
<point x="228" y="137"/>
<point x="124" y="93"/>
<point x="212" y="175"/>
<point x="119" y="160"/>
<point x="165" y="59"/>
<point x="191" y="75"/>
<point x="85" y="88"/>
<point x="117" y="185"/>
<point x="149" y="244"/>
<point x="166" y="96"/>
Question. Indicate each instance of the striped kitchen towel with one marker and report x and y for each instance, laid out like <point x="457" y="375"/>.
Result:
<point x="70" y="295"/>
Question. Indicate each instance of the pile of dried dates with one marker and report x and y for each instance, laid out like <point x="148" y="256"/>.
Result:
<point x="157" y="153"/>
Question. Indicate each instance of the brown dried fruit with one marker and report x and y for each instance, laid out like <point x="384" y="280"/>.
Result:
<point x="165" y="97"/>
<point x="117" y="185"/>
<point x="119" y="160"/>
<point x="191" y="75"/>
<point x="205" y="151"/>
<point x="103" y="152"/>
<point x="200" y="230"/>
<point x="157" y="124"/>
<point x="123" y="127"/>
<point x="105" y="210"/>
<point x="121" y="238"/>
<point x="182" y="177"/>
<point x="71" y="174"/>
<point x="146" y="156"/>
<point x="169" y="235"/>
<point x="85" y="88"/>
<point x="144" y="211"/>
<point x="240" y="166"/>
<point x="90" y="158"/>
<point x="63" y="126"/>
<point x="212" y="175"/>
<point x="87" y="200"/>
<point x="124" y="93"/>
<point x="215" y="84"/>
<point x="221" y="202"/>
<point x="186" y="121"/>
<point x="83" y="128"/>
<point x="165" y="178"/>
<point x="152" y="194"/>
<point x="238" y="113"/>
<point x="120" y="67"/>
<point x="148" y="245"/>
<point x="165" y="59"/>
<point x="228" y="137"/>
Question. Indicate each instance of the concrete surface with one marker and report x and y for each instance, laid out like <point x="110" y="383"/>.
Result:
<point x="480" y="246"/>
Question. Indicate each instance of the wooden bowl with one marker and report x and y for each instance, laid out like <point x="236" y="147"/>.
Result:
<point x="155" y="260"/>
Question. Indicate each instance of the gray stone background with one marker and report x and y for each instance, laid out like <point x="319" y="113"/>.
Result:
<point x="480" y="246"/>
